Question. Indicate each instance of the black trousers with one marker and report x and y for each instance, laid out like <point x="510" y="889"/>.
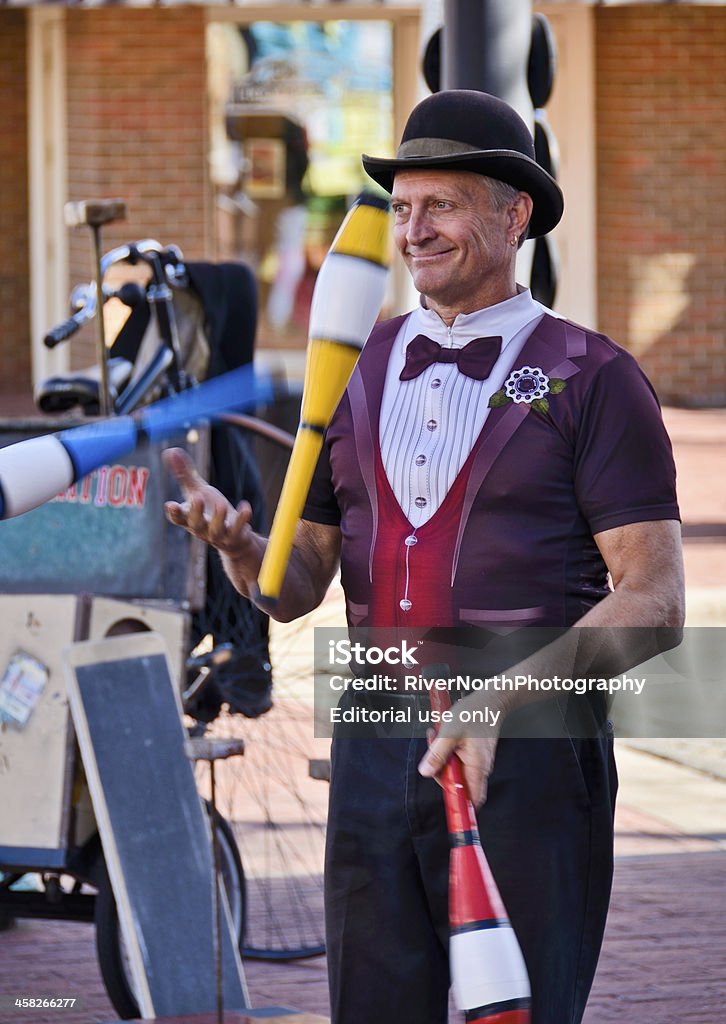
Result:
<point x="547" y="831"/>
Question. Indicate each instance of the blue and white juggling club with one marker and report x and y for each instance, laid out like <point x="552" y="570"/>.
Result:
<point x="37" y="469"/>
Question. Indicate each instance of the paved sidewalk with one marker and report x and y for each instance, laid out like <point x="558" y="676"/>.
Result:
<point x="664" y="959"/>
<point x="699" y="445"/>
<point x="664" y="956"/>
<point x="663" y="962"/>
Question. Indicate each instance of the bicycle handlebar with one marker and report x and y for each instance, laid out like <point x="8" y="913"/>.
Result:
<point x="83" y="300"/>
<point x="133" y="253"/>
<point x="148" y="251"/>
<point x="61" y="332"/>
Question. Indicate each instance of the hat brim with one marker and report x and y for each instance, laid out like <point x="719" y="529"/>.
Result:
<point x="504" y="165"/>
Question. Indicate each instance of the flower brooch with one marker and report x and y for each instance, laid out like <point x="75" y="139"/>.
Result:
<point x="528" y="384"/>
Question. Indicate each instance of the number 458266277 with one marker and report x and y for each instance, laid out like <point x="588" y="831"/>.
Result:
<point x="44" y="1002"/>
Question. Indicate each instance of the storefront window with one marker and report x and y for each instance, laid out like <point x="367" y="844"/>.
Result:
<point x="293" y="106"/>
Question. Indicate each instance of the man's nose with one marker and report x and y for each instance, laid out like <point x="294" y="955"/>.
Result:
<point x="419" y="227"/>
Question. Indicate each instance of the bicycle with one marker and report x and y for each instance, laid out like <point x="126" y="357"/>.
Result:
<point x="169" y="340"/>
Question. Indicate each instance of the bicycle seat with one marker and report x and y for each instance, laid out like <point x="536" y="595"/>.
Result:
<point x="81" y="387"/>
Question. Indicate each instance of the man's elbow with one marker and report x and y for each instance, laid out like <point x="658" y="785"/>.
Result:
<point x="675" y="594"/>
<point x="673" y="617"/>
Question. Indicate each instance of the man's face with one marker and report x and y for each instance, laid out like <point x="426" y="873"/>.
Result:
<point x="454" y="241"/>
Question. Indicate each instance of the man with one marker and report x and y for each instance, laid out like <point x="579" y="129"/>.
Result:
<point x="498" y="487"/>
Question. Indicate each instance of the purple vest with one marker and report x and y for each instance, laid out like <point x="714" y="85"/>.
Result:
<point x="540" y="484"/>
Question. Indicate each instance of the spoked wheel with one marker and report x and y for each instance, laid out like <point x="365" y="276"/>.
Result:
<point x="278" y="817"/>
<point x="276" y="809"/>
<point x="113" y="958"/>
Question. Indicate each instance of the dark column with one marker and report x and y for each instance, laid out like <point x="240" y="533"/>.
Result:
<point x="486" y="47"/>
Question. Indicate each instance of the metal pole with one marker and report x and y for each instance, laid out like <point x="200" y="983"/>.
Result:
<point x="104" y="397"/>
<point x="95" y="213"/>
<point x="216" y="902"/>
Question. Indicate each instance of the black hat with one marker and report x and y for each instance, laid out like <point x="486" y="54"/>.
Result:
<point x="466" y="130"/>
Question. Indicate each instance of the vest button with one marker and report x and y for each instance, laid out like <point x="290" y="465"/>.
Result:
<point x="431" y="425"/>
<point x="405" y="605"/>
<point x="410" y="541"/>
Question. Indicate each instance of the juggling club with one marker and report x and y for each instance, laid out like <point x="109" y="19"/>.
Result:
<point x="347" y="299"/>
<point x="488" y="972"/>
<point x="37" y="469"/>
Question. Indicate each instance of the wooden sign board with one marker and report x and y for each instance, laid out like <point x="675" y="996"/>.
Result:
<point x="44" y="812"/>
<point x="35" y="738"/>
<point x="154" y="831"/>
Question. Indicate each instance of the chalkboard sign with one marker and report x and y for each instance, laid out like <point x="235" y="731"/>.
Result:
<point x="154" y="831"/>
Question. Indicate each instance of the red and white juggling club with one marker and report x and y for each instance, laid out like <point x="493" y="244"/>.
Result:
<point x="37" y="469"/>
<point x="488" y="972"/>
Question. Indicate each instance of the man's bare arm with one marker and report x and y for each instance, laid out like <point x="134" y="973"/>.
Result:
<point x="646" y="567"/>
<point x="645" y="561"/>
<point x="208" y="515"/>
<point x="310" y="571"/>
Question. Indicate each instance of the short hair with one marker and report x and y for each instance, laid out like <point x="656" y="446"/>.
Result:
<point x="504" y="195"/>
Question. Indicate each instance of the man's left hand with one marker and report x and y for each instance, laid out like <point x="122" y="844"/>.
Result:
<point x="476" y="754"/>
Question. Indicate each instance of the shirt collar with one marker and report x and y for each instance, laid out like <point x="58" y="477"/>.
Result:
<point x="506" y="319"/>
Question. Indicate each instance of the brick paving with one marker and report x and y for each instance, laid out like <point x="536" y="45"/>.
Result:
<point x="663" y="962"/>
<point x="664" y="958"/>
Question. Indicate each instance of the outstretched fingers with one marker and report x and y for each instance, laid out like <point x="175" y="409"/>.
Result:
<point x="180" y="465"/>
<point x="204" y="512"/>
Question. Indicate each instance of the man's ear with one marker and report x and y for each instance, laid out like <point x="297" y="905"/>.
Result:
<point x="520" y="213"/>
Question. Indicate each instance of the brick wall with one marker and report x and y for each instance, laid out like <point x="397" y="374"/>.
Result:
<point x="14" y="254"/>
<point x="661" y="113"/>
<point x="661" y="123"/>
<point x="137" y="129"/>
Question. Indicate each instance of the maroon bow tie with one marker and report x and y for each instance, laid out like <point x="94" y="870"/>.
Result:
<point x="475" y="359"/>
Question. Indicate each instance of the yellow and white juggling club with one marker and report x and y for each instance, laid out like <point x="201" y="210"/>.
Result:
<point x="347" y="298"/>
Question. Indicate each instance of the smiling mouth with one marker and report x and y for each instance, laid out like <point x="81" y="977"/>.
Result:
<point x="419" y="256"/>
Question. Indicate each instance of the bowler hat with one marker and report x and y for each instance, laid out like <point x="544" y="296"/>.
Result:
<point x="466" y="130"/>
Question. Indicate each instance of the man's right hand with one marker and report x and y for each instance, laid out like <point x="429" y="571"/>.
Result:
<point x="205" y="512"/>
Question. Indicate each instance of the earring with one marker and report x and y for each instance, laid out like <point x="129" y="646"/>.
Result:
<point x="514" y="240"/>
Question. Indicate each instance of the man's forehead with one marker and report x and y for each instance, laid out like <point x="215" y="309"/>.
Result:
<point x="433" y="181"/>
